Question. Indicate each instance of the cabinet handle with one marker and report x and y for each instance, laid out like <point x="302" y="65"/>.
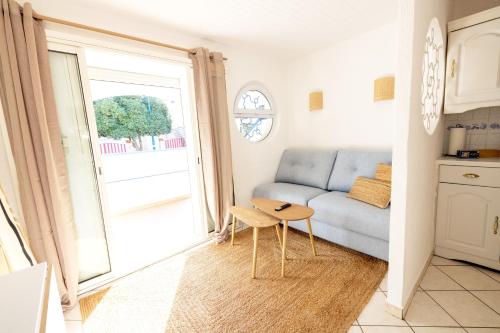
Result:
<point x="453" y="65"/>
<point x="471" y="175"/>
<point x="495" y="226"/>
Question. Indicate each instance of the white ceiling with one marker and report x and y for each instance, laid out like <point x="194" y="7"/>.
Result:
<point x="291" y="27"/>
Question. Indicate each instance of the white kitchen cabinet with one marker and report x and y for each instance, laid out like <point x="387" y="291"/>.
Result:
<point x="473" y="62"/>
<point x="468" y="212"/>
<point x="30" y="302"/>
<point x="467" y="216"/>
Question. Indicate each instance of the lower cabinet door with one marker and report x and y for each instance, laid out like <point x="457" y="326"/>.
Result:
<point x="467" y="219"/>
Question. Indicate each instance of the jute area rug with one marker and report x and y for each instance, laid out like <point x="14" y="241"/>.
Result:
<point x="210" y="290"/>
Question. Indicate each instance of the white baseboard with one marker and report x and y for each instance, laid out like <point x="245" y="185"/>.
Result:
<point x="394" y="310"/>
<point x="400" y="313"/>
<point x="417" y="284"/>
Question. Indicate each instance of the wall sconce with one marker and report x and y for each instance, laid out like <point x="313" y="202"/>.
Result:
<point x="316" y="101"/>
<point x="383" y="88"/>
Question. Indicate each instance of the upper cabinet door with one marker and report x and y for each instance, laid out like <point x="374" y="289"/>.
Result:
<point x="473" y="68"/>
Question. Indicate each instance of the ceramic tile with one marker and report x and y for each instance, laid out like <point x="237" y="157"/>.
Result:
<point x="434" y="279"/>
<point x="478" y="140"/>
<point x="440" y="261"/>
<point x="74" y="313"/>
<point x="493" y="138"/>
<point x="495" y="111"/>
<point x="482" y="113"/>
<point x="495" y="146"/>
<point x="467" y="141"/>
<point x="471" y="278"/>
<point x="490" y="298"/>
<point x="355" y="329"/>
<point x="450" y="124"/>
<point x="490" y="272"/>
<point x="483" y="330"/>
<point x="438" y="330"/>
<point x="386" y="329"/>
<point x="374" y="313"/>
<point x="483" y="127"/>
<point x="383" y="284"/>
<point x="466" y="309"/>
<point x="424" y="311"/>
<point x="494" y="116"/>
<point x="494" y="129"/>
<point x="465" y="116"/>
<point x="74" y="326"/>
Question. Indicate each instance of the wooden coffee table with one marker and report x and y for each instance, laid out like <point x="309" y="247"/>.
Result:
<point x="293" y="213"/>
<point x="256" y="219"/>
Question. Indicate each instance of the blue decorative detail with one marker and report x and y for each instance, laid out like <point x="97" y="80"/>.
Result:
<point x="250" y="127"/>
<point x="481" y="126"/>
<point x="253" y="100"/>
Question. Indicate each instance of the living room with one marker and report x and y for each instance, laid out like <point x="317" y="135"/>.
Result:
<point x="233" y="108"/>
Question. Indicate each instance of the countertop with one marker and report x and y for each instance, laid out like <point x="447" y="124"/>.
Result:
<point x="493" y="162"/>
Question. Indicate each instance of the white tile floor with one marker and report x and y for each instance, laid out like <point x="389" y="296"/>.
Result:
<point x="454" y="297"/>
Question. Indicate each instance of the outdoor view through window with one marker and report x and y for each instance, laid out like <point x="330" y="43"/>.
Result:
<point x="141" y="129"/>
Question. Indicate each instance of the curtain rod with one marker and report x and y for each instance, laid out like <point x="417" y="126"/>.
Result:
<point x="111" y="33"/>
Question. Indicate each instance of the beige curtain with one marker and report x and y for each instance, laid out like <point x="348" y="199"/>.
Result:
<point x="213" y="123"/>
<point x="31" y="119"/>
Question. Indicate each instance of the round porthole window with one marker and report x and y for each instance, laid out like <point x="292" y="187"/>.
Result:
<point x="254" y="112"/>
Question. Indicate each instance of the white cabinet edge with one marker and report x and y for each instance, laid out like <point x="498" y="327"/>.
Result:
<point x="22" y="297"/>
<point x="493" y="162"/>
<point x="474" y="19"/>
<point x="461" y="108"/>
<point x="25" y="303"/>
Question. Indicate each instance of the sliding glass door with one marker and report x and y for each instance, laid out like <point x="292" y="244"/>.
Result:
<point x="132" y="157"/>
<point x="94" y="259"/>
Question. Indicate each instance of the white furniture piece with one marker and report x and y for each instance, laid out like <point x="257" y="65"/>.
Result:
<point x="468" y="211"/>
<point x="29" y="302"/>
<point x="473" y="62"/>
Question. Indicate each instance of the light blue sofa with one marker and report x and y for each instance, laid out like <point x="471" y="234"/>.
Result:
<point x="321" y="180"/>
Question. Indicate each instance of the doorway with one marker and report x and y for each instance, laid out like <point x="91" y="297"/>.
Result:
<point x="131" y="151"/>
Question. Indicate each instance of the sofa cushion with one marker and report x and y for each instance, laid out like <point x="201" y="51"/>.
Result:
<point x="306" y="167"/>
<point x="351" y="164"/>
<point x="338" y="210"/>
<point x="292" y="193"/>
<point x="372" y="191"/>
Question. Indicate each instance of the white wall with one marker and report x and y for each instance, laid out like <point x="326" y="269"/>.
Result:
<point x="345" y="73"/>
<point x="256" y="163"/>
<point x="414" y="155"/>
<point x="253" y="163"/>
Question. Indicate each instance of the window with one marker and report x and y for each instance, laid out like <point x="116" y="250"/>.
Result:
<point x="253" y="112"/>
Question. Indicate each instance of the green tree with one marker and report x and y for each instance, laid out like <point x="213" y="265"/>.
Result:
<point x="132" y="117"/>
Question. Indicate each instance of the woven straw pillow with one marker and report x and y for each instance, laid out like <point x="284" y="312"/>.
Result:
<point x="383" y="172"/>
<point x="372" y="191"/>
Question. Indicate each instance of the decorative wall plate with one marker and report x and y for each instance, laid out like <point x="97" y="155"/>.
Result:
<point x="433" y="76"/>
